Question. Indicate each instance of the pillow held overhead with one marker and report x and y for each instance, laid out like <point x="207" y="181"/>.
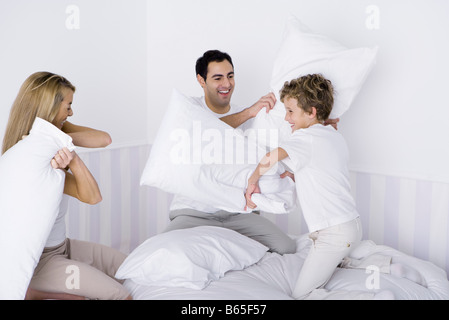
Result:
<point x="303" y="52"/>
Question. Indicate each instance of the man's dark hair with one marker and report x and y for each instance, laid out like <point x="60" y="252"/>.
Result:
<point x="210" y="56"/>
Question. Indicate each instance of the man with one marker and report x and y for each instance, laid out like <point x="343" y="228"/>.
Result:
<point x="215" y="74"/>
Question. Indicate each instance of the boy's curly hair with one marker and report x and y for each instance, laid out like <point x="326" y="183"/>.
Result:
<point x="312" y="90"/>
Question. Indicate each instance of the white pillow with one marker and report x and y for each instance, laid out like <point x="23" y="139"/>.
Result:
<point x="188" y="157"/>
<point x="190" y="258"/>
<point x="303" y="52"/>
<point x="30" y="194"/>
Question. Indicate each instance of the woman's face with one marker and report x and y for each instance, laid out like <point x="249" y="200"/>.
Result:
<point x="65" y="110"/>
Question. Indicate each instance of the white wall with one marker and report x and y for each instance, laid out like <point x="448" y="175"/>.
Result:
<point x="100" y="46"/>
<point x="125" y="57"/>
<point x="397" y="124"/>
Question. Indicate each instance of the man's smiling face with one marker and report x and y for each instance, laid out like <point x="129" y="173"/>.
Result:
<point x="218" y="86"/>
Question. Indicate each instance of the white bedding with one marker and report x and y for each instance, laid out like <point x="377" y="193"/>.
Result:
<point x="273" y="277"/>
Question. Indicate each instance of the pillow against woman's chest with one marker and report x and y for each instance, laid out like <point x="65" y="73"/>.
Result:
<point x="30" y="194"/>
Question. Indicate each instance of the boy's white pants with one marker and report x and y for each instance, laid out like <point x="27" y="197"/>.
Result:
<point x="330" y="246"/>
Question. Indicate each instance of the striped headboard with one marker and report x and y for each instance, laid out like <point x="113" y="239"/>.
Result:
<point x="407" y="214"/>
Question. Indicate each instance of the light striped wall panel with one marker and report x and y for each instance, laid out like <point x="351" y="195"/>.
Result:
<point x="129" y="213"/>
<point x="407" y="214"/>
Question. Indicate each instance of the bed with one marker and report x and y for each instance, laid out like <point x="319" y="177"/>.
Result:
<point x="190" y="157"/>
<point x="270" y="277"/>
<point x="212" y="264"/>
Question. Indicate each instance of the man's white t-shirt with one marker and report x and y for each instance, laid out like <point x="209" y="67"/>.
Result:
<point x="181" y="202"/>
<point x="319" y="156"/>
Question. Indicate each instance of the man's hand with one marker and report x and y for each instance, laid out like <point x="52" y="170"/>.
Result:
<point x="266" y="102"/>
<point x="332" y="122"/>
<point x="288" y="174"/>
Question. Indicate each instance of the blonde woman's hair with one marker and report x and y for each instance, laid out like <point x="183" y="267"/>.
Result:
<point x="312" y="90"/>
<point x="40" y="96"/>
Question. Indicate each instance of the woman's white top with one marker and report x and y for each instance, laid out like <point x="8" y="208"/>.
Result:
<point x="319" y="157"/>
<point x="58" y="232"/>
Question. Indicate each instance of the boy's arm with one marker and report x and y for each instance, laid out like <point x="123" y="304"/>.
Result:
<point x="87" y="137"/>
<point x="237" y="119"/>
<point x="267" y="162"/>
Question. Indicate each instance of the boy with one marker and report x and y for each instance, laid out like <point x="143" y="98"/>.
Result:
<point x="319" y="156"/>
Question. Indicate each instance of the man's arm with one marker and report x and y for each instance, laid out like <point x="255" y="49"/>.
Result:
<point x="332" y="122"/>
<point x="237" y="119"/>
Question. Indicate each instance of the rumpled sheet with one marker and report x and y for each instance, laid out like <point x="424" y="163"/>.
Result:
<point x="274" y="277"/>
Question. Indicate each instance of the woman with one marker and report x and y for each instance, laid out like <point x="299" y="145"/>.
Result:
<point x="49" y="96"/>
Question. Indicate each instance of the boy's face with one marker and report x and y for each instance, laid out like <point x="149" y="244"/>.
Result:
<point x="297" y="117"/>
<point x="218" y="86"/>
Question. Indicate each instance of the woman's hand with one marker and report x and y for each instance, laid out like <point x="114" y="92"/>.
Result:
<point x="252" y="188"/>
<point x="62" y="159"/>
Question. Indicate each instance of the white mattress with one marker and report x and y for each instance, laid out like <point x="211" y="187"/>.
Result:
<point x="274" y="276"/>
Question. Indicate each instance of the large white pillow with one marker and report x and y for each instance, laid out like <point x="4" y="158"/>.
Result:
<point x="190" y="258"/>
<point x="30" y="194"/>
<point x="200" y="157"/>
<point x="303" y="52"/>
